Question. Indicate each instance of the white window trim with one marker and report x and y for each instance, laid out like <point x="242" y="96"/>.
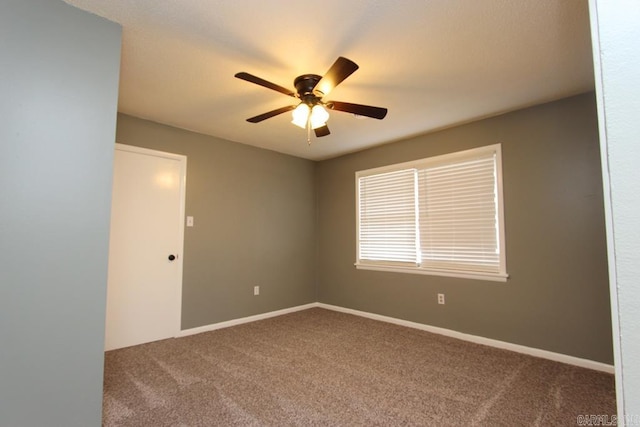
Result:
<point x="500" y="276"/>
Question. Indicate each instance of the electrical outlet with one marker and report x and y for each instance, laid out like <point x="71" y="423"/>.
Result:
<point x="440" y="298"/>
<point x="256" y="290"/>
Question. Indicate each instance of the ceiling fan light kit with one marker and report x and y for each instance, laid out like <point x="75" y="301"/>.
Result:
<point x="304" y="116"/>
<point x="311" y="112"/>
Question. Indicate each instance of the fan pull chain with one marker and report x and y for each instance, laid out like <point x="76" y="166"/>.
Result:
<point x="309" y="130"/>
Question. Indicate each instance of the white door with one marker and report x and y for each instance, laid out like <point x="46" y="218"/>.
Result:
<point x="144" y="287"/>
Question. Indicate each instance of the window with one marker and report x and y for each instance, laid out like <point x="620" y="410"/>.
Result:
<point x="441" y="215"/>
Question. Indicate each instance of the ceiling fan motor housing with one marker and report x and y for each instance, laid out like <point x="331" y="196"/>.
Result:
<point x="304" y="85"/>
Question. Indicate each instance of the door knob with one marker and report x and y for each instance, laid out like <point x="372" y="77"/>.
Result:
<point x="172" y="257"/>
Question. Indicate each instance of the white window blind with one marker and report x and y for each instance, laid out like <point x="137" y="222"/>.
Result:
<point x="387" y="226"/>
<point x="440" y="215"/>
<point x="458" y="216"/>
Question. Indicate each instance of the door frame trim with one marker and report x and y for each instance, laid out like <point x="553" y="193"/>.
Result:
<point x="182" y="160"/>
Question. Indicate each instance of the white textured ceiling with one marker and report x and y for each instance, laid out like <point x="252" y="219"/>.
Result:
<point x="432" y="63"/>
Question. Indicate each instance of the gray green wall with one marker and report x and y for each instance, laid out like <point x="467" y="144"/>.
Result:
<point x="557" y="296"/>
<point x="58" y="100"/>
<point x="255" y="224"/>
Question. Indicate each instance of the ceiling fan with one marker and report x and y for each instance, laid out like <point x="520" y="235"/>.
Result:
<point x="311" y="111"/>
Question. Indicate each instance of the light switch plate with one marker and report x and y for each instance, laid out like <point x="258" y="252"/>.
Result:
<point x="189" y="221"/>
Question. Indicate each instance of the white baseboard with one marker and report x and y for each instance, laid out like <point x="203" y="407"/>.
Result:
<point x="544" y="354"/>
<point x="234" y="322"/>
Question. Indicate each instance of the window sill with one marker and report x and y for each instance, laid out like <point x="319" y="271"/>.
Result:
<point x="499" y="277"/>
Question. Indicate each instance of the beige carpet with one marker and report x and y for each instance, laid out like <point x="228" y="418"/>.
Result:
<point x="322" y="368"/>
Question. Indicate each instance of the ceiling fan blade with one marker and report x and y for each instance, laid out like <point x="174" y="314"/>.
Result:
<point x="358" y="109"/>
<point x="270" y="114"/>
<point x="322" y="131"/>
<point x="262" y="82"/>
<point x="340" y="70"/>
